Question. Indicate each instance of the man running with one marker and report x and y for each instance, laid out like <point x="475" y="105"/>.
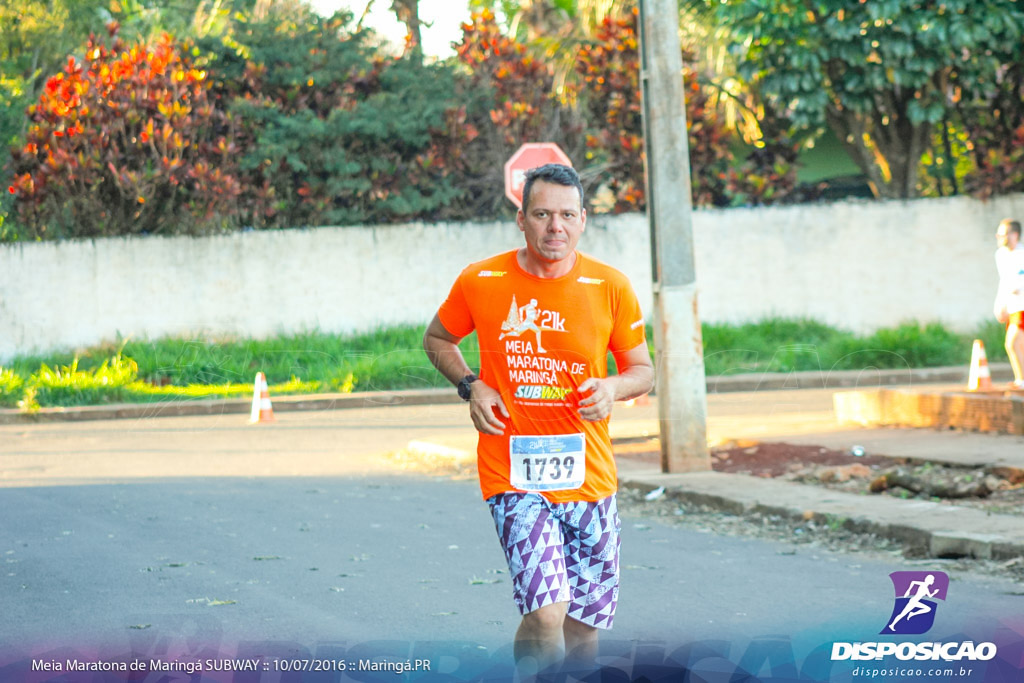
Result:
<point x="1009" y="306"/>
<point x="544" y="454"/>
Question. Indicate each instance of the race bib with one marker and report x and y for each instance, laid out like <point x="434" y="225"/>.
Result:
<point x="548" y="463"/>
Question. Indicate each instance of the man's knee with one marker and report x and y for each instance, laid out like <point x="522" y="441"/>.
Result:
<point x="546" y="619"/>
<point x="580" y="639"/>
<point x="578" y="629"/>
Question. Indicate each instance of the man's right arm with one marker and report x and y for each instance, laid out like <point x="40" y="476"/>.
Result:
<point x="442" y="348"/>
<point x="443" y="351"/>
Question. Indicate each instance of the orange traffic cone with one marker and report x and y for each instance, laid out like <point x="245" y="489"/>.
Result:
<point x="979" y="378"/>
<point x="262" y="410"/>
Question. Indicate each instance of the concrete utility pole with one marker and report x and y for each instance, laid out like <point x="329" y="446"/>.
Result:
<point x="679" y="358"/>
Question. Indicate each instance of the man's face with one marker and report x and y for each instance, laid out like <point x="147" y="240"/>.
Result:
<point x="553" y="222"/>
<point x="1006" y="237"/>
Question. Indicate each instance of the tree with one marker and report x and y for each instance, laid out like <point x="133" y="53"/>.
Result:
<point x="610" y="94"/>
<point x="880" y="74"/>
<point x="511" y="99"/>
<point x="125" y="141"/>
<point x="993" y="124"/>
<point x="408" y="12"/>
<point x="35" y="39"/>
<point x="331" y="132"/>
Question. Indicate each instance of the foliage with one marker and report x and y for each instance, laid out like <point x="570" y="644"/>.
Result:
<point x="35" y="39"/>
<point x="608" y="112"/>
<point x="610" y="70"/>
<point x="512" y="100"/>
<point x="12" y="388"/>
<point x="188" y="368"/>
<point x="768" y="345"/>
<point x="608" y="62"/>
<point x="115" y="380"/>
<point x="392" y="358"/>
<point x="124" y="142"/>
<point x="68" y="385"/>
<point x="947" y="163"/>
<point x="785" y="345"/>
<point x="329" y="132"/>
<point x="994" y="122"/>
<point x="910" y="345"/>
<point x="767" y="175"/>
<point x="522" y="84"/>
<point x="878" y="73"/>
<point x="291" y="119"/>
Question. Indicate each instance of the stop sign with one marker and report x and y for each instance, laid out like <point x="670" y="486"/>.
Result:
<point x="530" y="155"/>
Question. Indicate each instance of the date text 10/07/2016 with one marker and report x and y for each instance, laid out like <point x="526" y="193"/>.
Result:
<point x="260" y="664"/>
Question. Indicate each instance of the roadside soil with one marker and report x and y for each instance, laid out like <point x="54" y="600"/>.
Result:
<point x="998" y="490"/>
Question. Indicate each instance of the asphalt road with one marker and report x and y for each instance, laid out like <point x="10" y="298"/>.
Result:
<point x="180" y="538"/>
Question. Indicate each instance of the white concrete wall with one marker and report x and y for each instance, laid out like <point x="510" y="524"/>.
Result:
<point x="856" y="265"/>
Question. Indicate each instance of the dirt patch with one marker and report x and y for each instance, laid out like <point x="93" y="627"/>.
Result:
<point x="997" y="490"/>
<point x="838" y="470"/>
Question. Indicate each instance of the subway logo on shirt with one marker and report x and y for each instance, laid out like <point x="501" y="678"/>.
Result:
<point x="532" y="392"/>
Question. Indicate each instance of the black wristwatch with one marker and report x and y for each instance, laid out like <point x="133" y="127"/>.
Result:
<point x="463" y="386"/>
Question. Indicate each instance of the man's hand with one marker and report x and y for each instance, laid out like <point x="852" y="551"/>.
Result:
<point x="482" y="401"/>
<point x="636" y="377"/>
<point x="598" y="405"/>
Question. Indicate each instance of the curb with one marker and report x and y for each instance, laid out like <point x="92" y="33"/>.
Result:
<point x="282" y="404"/>
<point x="995" y="412"/>
<point x="847" y="379"/>
<point x="938" y="530"/>
<point x="717" y="384"/>
<point x="942" y="531"/>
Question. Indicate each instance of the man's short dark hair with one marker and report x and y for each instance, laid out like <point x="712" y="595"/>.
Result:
<point x="552" y="173"/>
<point x="1011" y="225"/>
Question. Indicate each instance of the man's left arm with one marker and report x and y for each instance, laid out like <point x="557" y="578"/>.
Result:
<point x="635" y="378"/>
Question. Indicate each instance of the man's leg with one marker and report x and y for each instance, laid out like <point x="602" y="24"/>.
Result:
<point x="592" y="563"/>
<point x="580" y="643"/>
<point x="1015" y="350"/>
<point x="532" y="539"/>
<point x="539" y="641"/>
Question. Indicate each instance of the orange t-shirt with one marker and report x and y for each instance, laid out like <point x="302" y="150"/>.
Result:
<point x="539" y="340"/>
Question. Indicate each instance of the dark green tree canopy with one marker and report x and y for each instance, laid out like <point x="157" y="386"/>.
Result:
<point x="880" y="74"/>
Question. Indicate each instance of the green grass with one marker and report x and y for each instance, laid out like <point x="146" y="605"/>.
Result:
<point x="392" y="358"/>
<point x="787" y="345"/>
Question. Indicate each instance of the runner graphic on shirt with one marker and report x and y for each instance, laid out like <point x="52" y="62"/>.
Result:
<point x="523" y="318"/>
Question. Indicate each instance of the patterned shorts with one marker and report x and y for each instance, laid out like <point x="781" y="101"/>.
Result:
<point x="561" y="552"/>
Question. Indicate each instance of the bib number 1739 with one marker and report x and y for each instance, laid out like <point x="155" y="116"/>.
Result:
<point x="548" y="463"/>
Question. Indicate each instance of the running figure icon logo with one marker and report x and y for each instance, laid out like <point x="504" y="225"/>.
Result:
<point x="530" y="318"/>
<point x="916" y="593"/>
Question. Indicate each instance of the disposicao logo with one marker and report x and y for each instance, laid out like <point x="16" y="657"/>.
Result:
<point x="913" y="614"/>
<point x="916" y="593"/>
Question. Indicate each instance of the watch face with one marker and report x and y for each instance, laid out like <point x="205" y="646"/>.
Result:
<point x="463" y="387"/>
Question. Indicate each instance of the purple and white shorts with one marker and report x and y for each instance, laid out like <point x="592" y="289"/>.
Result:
<point x="561" y="552"/>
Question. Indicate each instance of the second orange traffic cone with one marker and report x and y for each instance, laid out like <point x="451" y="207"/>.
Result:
<point x="262" y="410"/>
<point x="979" y="378"/>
